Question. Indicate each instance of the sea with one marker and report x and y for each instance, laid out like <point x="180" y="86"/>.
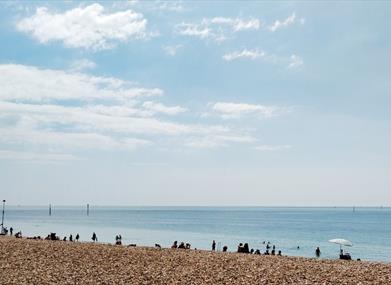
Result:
<point x="295" y="231"/>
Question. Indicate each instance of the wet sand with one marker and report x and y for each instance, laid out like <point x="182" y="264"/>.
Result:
<point x="55" y="262"/>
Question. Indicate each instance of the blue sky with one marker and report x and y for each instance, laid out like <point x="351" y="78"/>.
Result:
<point x="195" y="103"/>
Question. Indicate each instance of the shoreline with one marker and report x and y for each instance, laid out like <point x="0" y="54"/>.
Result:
<point x="25" y="261"/>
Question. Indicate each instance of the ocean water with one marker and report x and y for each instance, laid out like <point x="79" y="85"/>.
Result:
<point x="368" y="228"/>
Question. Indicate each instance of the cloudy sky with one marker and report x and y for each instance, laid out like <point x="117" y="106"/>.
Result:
<point x="195" y="103"/>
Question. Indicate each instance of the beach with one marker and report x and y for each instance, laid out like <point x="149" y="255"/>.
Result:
<point x="55" y="262"/>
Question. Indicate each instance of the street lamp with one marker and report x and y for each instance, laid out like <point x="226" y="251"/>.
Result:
<point x="2" y="218"/>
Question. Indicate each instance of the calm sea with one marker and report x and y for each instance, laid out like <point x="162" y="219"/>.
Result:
<point x="287" y="228"/>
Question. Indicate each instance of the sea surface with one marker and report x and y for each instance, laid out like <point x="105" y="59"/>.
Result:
<point x="288" y="228"/>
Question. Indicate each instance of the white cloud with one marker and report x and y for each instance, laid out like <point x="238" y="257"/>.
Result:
<point x="252" y="54"/>
<point x="272" y="147"/>
<point x="194" y="30"/>
<point x="218" y="28"/>
<point x="66" y="111"/>
<point x="84" y="27"/>
<point x="29" y="83"/>
<point x="228" y="110"/>
<point x="281" y="24"/>
<point x="295" y="61"/>
<point x="82" y="64"/>
<point x="36" y="156"/>
<point x="172" y="50"/>
<point x="175" y="6"/>
<point x="160" y="108"/>
<point x="214" y="141"/>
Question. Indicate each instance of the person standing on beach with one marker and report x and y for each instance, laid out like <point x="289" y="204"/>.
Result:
<point x="213" y="245"/>
<point x="77" y="237"/>
<point x="11" y="231"/>
<point x="317" y="252"/>
<point x="94" y="237"/>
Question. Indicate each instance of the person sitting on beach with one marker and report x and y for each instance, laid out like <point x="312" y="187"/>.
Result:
<point x="273" y="252"/>
<point x="118" y="240"/>
<point x="267" y="252"/>
<point x="213" y="245"/>
<point x="175" y="244"/>
<point x="225" y="248"/>
<point x="240" y="247"/>
<point x="11" y="231"/>
<point x="188" y="245"/>
<point x="246" y="248"/>
<point x="70" y="237"/>
<point x="94" y="237"/>
<point x="182" y="245"/>
<point x="317" y="252"/>
<point x="18" y="234"/>
<point x="279" y="253"/>
<point x="64" y="239"/>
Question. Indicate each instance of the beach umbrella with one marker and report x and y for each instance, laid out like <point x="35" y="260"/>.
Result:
<point x="341" y="242"/>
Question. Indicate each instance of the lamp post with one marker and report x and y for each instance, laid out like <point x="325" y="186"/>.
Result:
<point x="2" y="217"/>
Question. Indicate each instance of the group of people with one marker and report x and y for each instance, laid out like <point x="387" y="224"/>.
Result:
<point x="182" y="245"/>
<point x="4" y="231"/>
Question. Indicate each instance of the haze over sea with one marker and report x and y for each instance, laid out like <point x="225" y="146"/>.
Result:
<point x="368" y="228"/>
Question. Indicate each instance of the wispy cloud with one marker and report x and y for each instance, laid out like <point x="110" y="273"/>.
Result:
<point x="217" y="28"/>
<point x="66" y="111"/>
<point x="36" y="156"/>
<point x="292" y="62"/>
<point x="284" y="23"/>
<point x="172" y="50"/>
<point x="156" y="107"/>
<point x="245" y="53"/>
<point x="295" y="61"/>
<point x="82" y="64"/>
<point x="229" y="110"/>
<point x="272" y="147"/>
<point x="84" y="27"/>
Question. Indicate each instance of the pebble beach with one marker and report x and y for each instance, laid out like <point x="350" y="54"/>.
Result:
<point x="55" y="262"/>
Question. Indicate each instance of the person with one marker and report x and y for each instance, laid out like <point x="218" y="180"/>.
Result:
<point x="225" y="248"/>
<point x="118" y="240"/>
<point x="298" y="247"/>
<point x="273" y="251"/>
<point x="246" y="248"/>
<point x="11" y="231"/>
<point x="64" y="239"/>
<point x="77" y="237"/>
<point x="267" y="252"/>
<point x="70" y="237"/>
<point x="213" y="245"/>
<point x="175" y="244"/>
<point x="182" y="245"/>
<point x="240" y="247"/>
<point x="94" y="237"/>
<point x="279" y="253"/>
<point x="317" y="252"/>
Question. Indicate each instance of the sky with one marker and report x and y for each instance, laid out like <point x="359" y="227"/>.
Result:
<point x="209" y="103"/>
